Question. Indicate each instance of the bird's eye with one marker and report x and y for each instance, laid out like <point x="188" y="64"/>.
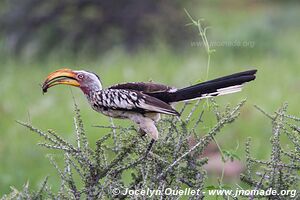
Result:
<point x="80" y="76"/>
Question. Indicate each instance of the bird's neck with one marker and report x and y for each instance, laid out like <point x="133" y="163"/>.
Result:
<point x="88" y="91"/>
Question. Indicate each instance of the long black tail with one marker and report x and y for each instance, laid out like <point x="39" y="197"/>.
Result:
<point x="220" y="86"/>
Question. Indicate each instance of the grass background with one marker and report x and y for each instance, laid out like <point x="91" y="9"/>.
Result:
<point x="273" y="28"/>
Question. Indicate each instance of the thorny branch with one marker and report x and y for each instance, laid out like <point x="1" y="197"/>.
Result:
<point x="281" y="171"/>
<point x="100" y="170"/>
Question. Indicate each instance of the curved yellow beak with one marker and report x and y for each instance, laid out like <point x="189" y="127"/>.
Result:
<point x="61" y="76"/>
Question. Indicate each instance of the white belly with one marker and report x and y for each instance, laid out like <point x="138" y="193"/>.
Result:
<point x="146" y="122"/>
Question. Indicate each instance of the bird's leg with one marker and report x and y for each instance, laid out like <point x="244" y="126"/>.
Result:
<point x="147" y="125"/>
<point x="149" y="147"/>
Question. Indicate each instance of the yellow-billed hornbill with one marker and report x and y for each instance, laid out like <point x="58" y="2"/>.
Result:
<point x="143" y="102"/>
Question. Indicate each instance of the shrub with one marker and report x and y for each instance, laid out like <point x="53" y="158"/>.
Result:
<point x="281" y="171"/>
<point x="172" y="163"/>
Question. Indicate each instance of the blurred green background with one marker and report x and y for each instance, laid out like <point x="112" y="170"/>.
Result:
<point x="137" y="41"/>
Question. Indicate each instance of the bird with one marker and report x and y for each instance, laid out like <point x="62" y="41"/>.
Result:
<point x="143" y="102"/>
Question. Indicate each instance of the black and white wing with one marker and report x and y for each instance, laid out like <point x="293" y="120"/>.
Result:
<point x="132" y="100"/>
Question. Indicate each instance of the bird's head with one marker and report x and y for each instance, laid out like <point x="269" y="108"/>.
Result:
<point x="86" y="81"/>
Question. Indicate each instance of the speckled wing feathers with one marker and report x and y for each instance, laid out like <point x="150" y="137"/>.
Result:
<point x="130" y="100"/>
